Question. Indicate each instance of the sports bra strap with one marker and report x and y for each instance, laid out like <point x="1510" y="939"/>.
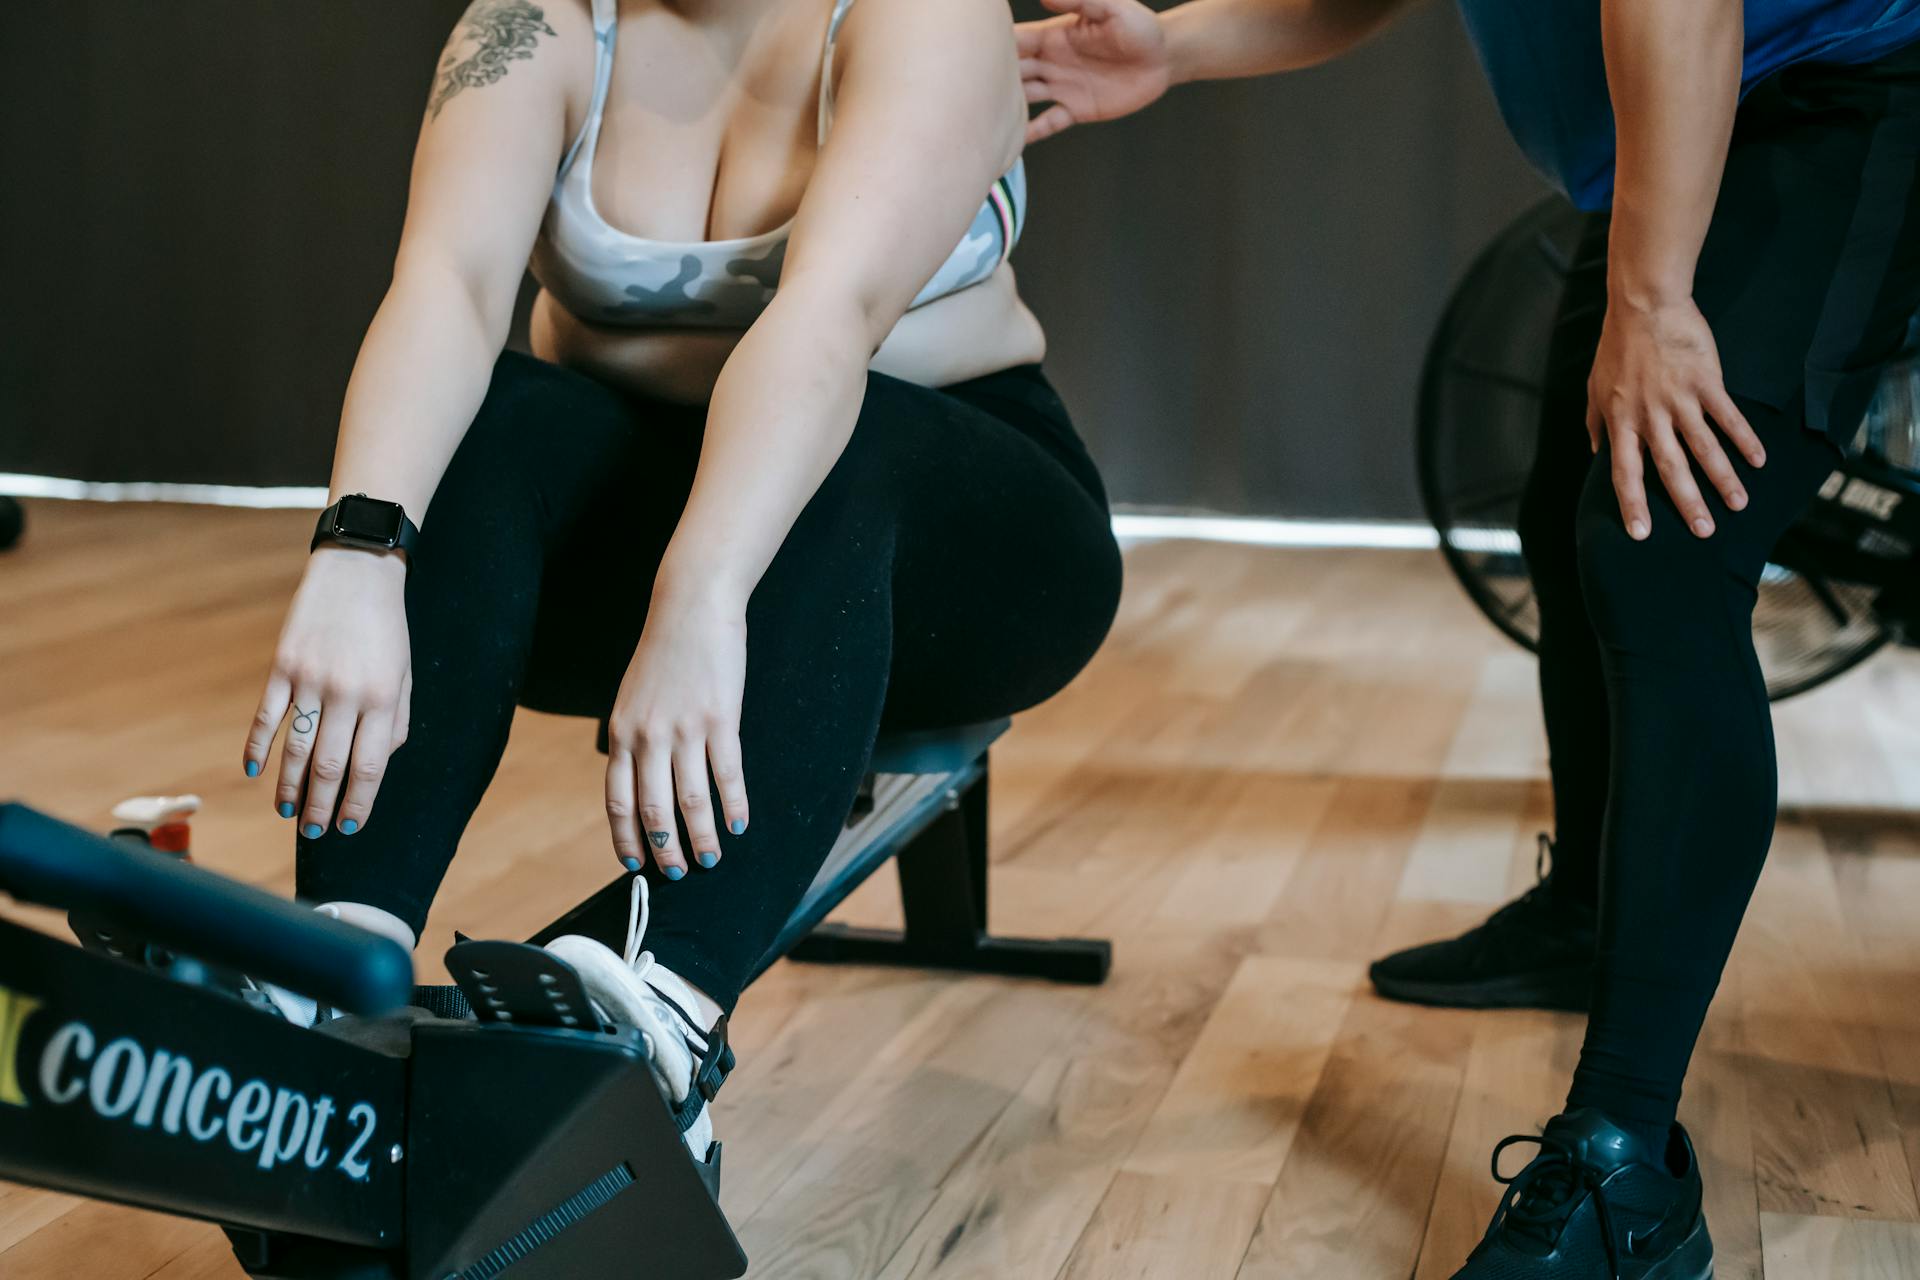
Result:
<point x="606" y="18"/>
<point x="840" y="8"/>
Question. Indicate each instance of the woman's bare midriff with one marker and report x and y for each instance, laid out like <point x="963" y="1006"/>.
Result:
<point x="964" y="335"/>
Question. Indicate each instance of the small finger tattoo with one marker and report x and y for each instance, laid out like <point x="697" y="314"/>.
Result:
<point x="303" y="720"/>
<point x="659" y="838"/>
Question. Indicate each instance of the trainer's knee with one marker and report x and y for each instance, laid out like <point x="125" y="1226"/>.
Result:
<point x="1663" y="596"/>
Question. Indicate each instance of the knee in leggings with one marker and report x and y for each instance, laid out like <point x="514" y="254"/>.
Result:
<point x="1662" y="597"/>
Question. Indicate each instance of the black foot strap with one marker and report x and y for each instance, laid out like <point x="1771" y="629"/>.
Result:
<point x="715" y="1065"/>
<point x="443" y="1002"/>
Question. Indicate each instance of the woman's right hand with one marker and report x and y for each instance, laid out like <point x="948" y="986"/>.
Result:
<point x="342" y="678"/>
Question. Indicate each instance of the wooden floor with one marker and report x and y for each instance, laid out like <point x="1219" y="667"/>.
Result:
<point x="1283" y="764"/>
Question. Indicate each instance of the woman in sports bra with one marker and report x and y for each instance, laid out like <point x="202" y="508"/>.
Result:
<point x="782" y="467"/>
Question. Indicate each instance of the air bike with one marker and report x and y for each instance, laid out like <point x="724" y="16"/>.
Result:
<point x="434" y="1133"/>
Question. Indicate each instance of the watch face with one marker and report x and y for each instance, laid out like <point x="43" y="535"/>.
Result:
<point x="366" y="519"/>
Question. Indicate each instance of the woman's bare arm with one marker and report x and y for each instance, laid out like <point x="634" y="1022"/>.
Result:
<point x="493" y="137"/>
<point x="928" y="115"/>
<point x="488" y="150"/>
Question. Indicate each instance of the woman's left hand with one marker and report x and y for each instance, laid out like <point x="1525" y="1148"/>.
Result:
<point x="1656" y="383"/>
<point x="676" y="718"/>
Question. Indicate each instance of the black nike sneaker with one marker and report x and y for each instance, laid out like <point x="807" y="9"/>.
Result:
<point x="1597" y="1203"/>
<point x="1533" y="953"/>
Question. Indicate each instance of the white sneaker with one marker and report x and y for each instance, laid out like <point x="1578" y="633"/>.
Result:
<point x="634" y="991"/>
<point x="305" y="1011"/>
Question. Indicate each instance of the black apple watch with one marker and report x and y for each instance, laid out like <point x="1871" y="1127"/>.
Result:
<point x="359" y="521"/>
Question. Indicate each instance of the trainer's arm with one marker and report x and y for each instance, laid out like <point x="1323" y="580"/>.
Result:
<point x="1673" y="70"/>
<point x="1102" y="59"/>
<point x="1231" y="39"/>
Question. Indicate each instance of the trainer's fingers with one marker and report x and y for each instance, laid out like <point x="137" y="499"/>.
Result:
<point x="1677" y="477"/>
<point x="1706" y="450"/>
<point x="1055" y="119"/>
<point x="372" y="744"/>
<point x="1596" y="426"/>
<point x="327" y="772"/>
<point x="623" y="806"/>
<point x="1629" y="484"/>
<point x="1030" y="38"/>
<point x="729" y="779"/>
<point x="296" y="751"/>
<point x="1734" y="425"/>
<point x="1065" y="6"/>
<point x="1037" y="90"/>
<point x="655" y="771"/>
<point x="266" y="722"/>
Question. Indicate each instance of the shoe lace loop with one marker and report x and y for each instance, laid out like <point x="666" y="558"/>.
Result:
<point x="1533" y="899"/>
<point x="1542" y="1196"/>
<point x="638" y="908"/>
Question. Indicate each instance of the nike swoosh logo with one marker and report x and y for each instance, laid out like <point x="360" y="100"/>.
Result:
<point x="1667" y="1235"/>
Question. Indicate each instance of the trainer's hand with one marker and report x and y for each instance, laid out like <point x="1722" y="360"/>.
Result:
<point x="677" y="716"/>
<point x="1656" y="386"/>
<point x="342" y="681"/>
<point x="1100" y="59"/>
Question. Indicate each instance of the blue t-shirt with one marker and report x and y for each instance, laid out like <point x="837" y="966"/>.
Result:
<point x="1549" y="74"/>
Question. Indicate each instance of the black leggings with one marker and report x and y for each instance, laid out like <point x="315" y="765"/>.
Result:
<point x="1660" y="739"/>
<point x="958" y="564"/>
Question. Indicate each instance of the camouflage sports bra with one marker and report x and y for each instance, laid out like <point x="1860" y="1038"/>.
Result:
<point x="605" y="276"/>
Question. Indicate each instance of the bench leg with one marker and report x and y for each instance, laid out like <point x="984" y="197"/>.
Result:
<point x="943" y="891"/>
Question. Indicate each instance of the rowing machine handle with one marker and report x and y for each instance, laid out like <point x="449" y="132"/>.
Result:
<point x="200" y="913"/>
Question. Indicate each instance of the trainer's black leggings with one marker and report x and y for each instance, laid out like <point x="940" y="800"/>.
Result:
<point x="1658" y="728"/>
<point x="958" y="564"/>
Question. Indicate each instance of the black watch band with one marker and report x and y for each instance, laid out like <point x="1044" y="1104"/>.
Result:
<point x="359" y="521"/>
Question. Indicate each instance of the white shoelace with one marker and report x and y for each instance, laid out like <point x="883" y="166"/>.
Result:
<point x="637" y="912"/>
<point x="642" y="963"/>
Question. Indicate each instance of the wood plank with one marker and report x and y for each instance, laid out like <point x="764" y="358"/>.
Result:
<point x="1826" y="1140"/>
<point x="102" y="1242"/>
<point x="1018" y="1203"/>
<point x="1151" y="1228"/>
<point x="1802" y="1247"/>
<point x="1237" y="1101"/>
<point x="1516" y="1077"/>
<point x="1351" y="1202"/>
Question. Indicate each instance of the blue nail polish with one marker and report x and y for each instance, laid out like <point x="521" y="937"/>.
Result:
<point x="313" y="831"/>
<point x="253" y="768"/>
<point x="708" y="859"/>
<point x="631" y="864"/>
<point x="286" y="811"/>
<point x="739" y="826"/>
<point x="348" y="826"/>
<point x="674" y="873"/>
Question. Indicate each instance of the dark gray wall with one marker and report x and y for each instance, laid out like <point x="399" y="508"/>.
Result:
<point x="1237" y="285"/>
<point x="198" y="218"/>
